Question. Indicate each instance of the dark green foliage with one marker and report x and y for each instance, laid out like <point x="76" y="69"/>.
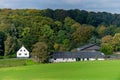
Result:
<point x="106" y="49"/>
<point x="2" y="39"/>
<point x="29" y="40"/>
<point x="60" y="14"/>
<point x="62" y="34"/>
<point x="110" y="30"/>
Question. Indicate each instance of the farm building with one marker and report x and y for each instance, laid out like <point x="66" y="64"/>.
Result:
<point x="84" y="53"/>
<point x="22" y="53"/>
<point x="89" y="48"/>
<point x="75" y="56"/>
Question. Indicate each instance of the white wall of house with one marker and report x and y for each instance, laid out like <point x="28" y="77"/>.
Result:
<point x="22" y="53"/>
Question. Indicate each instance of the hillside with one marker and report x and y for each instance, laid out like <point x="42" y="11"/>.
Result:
<point x="96" y="70"/>
<point x="59" y="30"/>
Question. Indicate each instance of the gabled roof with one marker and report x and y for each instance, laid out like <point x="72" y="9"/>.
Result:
<point x="77" y="55"/>
<point x="90" y="46"/>
<point x="23" y="50"/>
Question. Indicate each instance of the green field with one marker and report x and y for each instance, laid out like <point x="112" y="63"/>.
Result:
<point x="91" y="70"/>
<point x="15" y="62"/>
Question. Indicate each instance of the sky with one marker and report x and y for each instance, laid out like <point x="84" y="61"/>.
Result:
<point x="112" y="6"/>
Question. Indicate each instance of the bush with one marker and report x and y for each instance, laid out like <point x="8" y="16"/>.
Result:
<point x="106" y="49"/>
<point x="1" y="57"/>
<point x="12" y="56"/>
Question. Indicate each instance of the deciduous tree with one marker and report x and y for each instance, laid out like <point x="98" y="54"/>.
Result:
<point x="40" y="53"/>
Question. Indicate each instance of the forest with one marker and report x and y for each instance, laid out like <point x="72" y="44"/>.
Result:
<point x="57" y="30"/>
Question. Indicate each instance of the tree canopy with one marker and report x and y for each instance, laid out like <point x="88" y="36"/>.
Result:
<point x="60" y="30"/>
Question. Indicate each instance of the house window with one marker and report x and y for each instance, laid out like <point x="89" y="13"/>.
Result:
<point x="25" y="53"/>
<point x="24" y="50"/>
<point x="20" y="50"/>
<point x="54" y="58"/>
<point x="19" y="53"/>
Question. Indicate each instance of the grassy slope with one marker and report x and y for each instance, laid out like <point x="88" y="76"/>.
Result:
<point x="15" y="62"/>
<point x="96" y="70"/>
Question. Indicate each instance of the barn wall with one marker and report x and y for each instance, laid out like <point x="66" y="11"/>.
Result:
<point x="63" y="60"/>
<point x="101" y="59"/>
<point x="73" y="59"/>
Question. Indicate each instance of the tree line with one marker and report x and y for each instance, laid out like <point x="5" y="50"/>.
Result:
<point x="44" y="31"/>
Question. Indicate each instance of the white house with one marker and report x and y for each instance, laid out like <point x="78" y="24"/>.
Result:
<point x="23" y="53"/>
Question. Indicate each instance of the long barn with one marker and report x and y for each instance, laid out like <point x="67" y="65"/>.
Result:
<point x="84" y="53"/>
<point x="75" y="56"/>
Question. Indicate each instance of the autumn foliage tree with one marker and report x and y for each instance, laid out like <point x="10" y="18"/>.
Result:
<point x="107" y="39"/>
<point x="116" y="41"/>
<point x="82" y="34"/>
<point x="40" y="53"/>
<point x="101" y="29"/>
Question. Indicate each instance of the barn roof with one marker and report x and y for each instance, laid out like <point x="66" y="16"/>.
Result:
<point x="77" y="55"/>
<point x="90" y="46"/>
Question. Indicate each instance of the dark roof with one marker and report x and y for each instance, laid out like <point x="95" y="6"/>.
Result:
<point x="90" y="46"/>
<point x="77" y="55"/>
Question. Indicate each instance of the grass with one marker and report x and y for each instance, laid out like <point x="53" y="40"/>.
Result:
<point x="91" y="70"/>
<point x="15" y="62"/>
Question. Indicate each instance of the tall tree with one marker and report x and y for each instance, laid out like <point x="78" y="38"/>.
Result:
<point x="116" y="41"/>
<point x="62" y="34"/>
<point x="11" y="45"/>
<point x="68" y="22"/>
<point x="40" y="53"/>
<point x="47" y="36"/>
<point x="82" y="34"/>
<point x="2" y="39"/>
<point x="101" y="29"/>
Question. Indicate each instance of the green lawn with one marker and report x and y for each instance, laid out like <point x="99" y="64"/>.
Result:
<point x="15" y="62"/>
<point x="91" y="70"/>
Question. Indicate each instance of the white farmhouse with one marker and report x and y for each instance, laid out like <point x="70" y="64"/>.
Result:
<point x="23" y="53"/>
